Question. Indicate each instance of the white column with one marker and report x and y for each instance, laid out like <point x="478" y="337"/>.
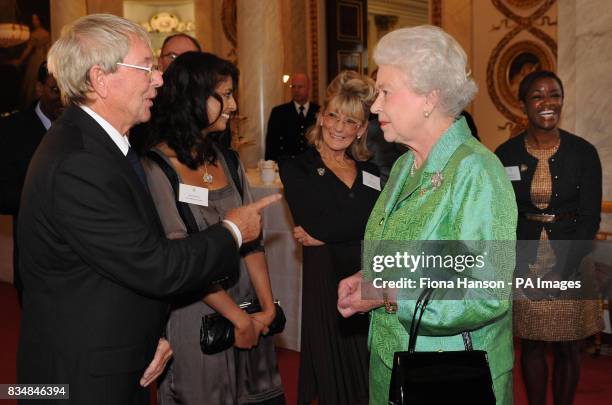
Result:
<point x="260" y="60"/>
<point x="584" y="64"/>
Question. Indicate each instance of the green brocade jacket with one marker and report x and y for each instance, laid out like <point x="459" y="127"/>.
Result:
<point x="461" y="193"/>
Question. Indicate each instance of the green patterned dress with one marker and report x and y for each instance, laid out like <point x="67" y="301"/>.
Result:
<point x="460" y="193"/>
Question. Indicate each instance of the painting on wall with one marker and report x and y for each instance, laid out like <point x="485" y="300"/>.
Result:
<point x="526" y="46"/>
<point x="516" y="62"/>
<point x="505" y="72"/>
<point x="523" y="3"/>
<point x="349" y="61"/>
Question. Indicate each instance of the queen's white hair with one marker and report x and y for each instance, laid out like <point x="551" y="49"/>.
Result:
<point x="432" y="60"/>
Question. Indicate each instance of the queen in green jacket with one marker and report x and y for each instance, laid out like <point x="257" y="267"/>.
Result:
<point x="446" y="187"/>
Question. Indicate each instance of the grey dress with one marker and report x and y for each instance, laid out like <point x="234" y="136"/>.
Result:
<point x="230" y="377"/>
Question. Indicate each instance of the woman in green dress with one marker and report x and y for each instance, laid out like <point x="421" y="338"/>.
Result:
<point x="448" y="186"/>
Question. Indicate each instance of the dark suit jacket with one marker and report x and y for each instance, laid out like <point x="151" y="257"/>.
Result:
<point x="322" y="204"/>
<point x="384" y="154"/>
<point x="576" y="187"/>
<point x="575" y="172"/>
<point x="21" y="134"/>
<point x="96" y="266"/>
<point x="286" y="137"/>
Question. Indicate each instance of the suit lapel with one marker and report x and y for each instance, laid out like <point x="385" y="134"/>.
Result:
<point x="311" y="116"/>
<point x="101" y="141"/>
<point x="39" y="129"/>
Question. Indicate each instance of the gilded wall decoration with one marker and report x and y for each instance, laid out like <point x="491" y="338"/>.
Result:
<point x="229" y="24"/>
<point x="516" y="62"/>
<point x="510" y="60"/>
<point x="436" y="12"/>
<point x="523" y="3"/>
<point x="314" y="48"/>
<point x="348" y="22"/>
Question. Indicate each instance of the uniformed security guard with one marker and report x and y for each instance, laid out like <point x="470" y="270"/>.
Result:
<point x="288" y="123"/>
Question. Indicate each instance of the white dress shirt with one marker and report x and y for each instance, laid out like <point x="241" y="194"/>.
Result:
<point x="121" y="141"/>
<point x="43" y="118"/>
<point x="297" y="107"/>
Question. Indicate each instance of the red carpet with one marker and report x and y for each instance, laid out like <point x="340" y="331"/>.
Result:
<point x="594" y="388"/>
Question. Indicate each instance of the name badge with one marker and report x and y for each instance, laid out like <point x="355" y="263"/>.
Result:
<point x="370" y="180"/>
<point x="513" y="173"/>
<point x="193" y="194"/>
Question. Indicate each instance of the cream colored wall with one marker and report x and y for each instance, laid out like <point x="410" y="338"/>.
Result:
<point x="64" y="12"/>
<point x="457" y="21"/>
<point x="260" y="61"/>
<point x="409" y="13"/>
<point x="208" y="25"/>
<point x="321" y="32"/>
<point x="585" y="63"/>
<point x="272" y="41"/>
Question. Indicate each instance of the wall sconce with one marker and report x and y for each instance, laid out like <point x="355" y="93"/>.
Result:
<point x="285" y="78"/>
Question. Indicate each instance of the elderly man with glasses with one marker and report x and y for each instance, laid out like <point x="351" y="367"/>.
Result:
<point x="96" y="265"/>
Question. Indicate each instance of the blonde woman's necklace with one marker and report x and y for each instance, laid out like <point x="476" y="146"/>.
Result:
<point x="341" y="163"/>
<point x="207" y="178"/>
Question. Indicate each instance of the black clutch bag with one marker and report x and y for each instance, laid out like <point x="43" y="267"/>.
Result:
<point x="217" y="332"/>
<point x="460" y="377"/>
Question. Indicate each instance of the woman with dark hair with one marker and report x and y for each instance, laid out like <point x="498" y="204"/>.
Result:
<point x="557" y="184"/>
<point x="192" y="108"/>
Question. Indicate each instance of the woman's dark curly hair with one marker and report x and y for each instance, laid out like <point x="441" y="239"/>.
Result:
<point x="179" y="114"/>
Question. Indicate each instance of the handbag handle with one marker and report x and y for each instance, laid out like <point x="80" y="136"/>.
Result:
<point x="419" y="308"/>
<point x="421" y="304"/>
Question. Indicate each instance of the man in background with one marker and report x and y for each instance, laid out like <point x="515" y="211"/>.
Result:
<point x="21" y="134"/>
<point x="174" y="46"/>
<point x="288" y="123"/>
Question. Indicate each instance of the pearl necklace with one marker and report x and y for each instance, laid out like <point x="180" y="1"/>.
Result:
<point x="413" y="168"/>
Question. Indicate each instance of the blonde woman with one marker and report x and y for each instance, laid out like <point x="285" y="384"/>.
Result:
<point x="331" y="190"/>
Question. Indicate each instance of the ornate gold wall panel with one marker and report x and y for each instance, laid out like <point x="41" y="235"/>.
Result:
<point x="514" y="57"/>
<point x="314" y="48"/>
<point x="436" y="12"/>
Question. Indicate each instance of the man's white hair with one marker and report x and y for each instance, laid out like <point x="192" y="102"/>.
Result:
<point x="96" y="39"/>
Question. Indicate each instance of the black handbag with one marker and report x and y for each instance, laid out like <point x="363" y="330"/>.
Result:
<point x="460" y="377"/>
<point x="217" y="332"/>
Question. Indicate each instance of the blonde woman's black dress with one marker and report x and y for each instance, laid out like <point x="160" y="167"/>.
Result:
<point x="334" y="355"/>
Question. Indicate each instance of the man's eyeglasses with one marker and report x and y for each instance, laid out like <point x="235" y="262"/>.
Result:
<point x="170" y="55"/>
<point x="149" y="70"/>
<point x="331" y="118"/>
